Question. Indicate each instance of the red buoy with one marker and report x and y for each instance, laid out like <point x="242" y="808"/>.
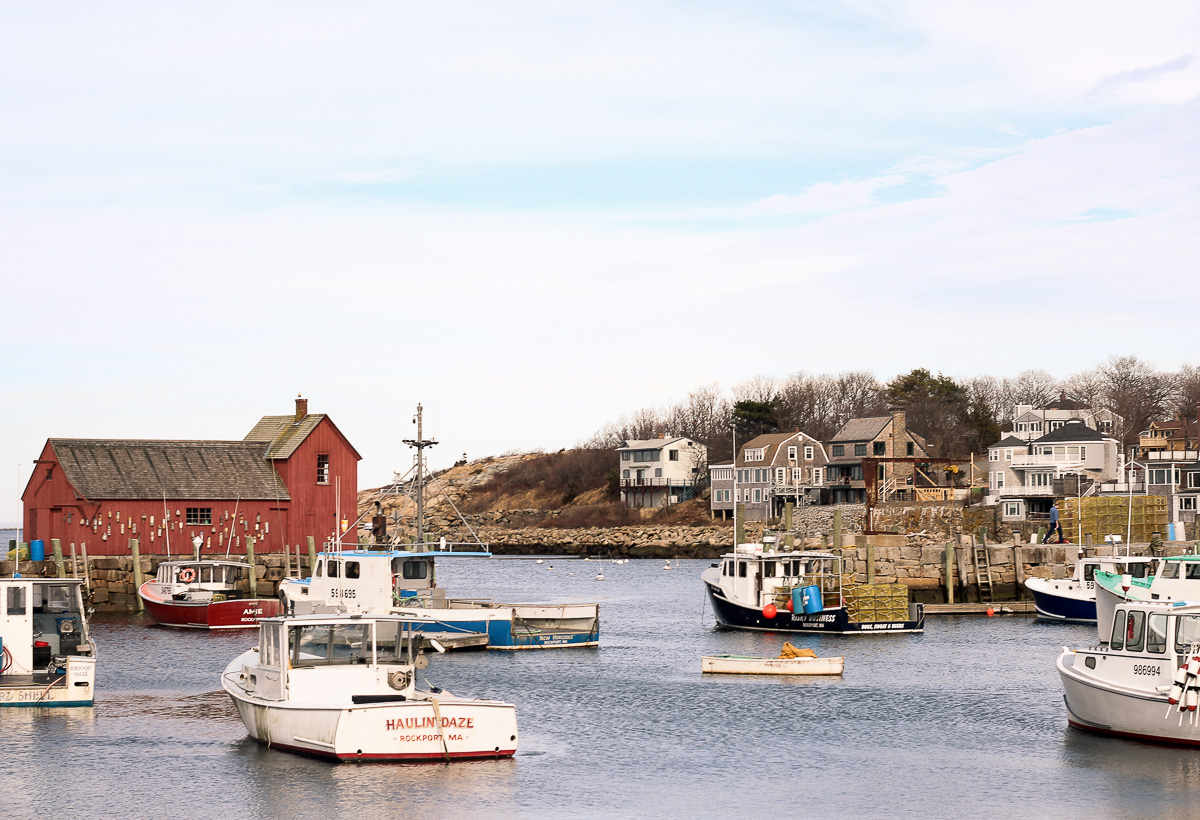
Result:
<point x="790" y="606"/>
<point x="990" y="611"/>
<point x="769" y="611"/>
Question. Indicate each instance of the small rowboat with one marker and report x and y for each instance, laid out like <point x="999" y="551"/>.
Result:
<point x="744" y="665"/>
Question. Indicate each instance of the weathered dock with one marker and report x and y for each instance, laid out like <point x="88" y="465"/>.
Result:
<point x="998" y="608"/>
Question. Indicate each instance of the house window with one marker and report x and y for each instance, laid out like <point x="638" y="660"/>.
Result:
<point x="624" y="474"/>
<point x="199" y="515"/>
<point x="645" y="455"/>
<point x="1187" y="503"/>
<point x="1007" y="454"/>
<point x="673" y="455"/>
<point x="1038" y="480"/>
<point x="1012" y="509"/>
<point x="626" y="455"/>
<point x="816" y="474"/>
<point x="808" y="453"/>
<point x="658" y="472"/>
<point x="780" y="475"/>
<point x="839" y="450"/>
<point x="1164" y="476"/>
<point x="49" y="473"/>
<point x="797" y="475"/>
<point x="1193" y="480"/>
<point x="1054" y="425"/>
<point x="993" y="455"/>
<point x="757" y="495"/>
<point x="909" y="449"/>
<point x="791" y="453"/>
<point x="860" y="449"/>
<point x="322" y="468"/>
<point x="754" y="455"/>
<point x="739" y="496"/>
<point x="880" y="448"/>
<point x="999" y="479"/>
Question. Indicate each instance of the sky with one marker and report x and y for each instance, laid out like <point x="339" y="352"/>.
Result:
<point x="533" y="218"/>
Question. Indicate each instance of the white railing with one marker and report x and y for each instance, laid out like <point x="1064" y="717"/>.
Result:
<point x="1169" y="455"/>
<point x="1023" y="491"/>
<point x="1044" y="460"/>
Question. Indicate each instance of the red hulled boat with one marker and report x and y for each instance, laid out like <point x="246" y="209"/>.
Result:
<point x="204" y="594"/>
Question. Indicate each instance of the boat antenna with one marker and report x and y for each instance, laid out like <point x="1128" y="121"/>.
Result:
<point x="232" y="525"/>
<point x="166" y="524"/>
<point x="420" y="443"/>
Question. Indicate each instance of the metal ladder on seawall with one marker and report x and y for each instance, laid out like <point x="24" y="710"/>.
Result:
<point x="983" y="568"/>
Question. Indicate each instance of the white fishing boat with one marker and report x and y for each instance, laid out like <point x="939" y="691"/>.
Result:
<point x="344" y="688"/>
<point x="1074" y="599"/>
<point x="1177" y="578"/>
<point x="746" y="665"/>
<point x="47" y="650"/>
<point x="1143" y="681"/>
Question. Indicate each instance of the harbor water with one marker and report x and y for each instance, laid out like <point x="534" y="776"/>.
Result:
<point x="964" y="721"/>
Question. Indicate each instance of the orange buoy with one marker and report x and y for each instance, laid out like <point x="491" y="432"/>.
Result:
<point x="769" y="611"/>
<point x="991" y="611"/>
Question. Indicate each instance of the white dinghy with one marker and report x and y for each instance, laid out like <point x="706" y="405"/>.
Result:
<point x="791" y="661"/>
<point x="343" y="687"/>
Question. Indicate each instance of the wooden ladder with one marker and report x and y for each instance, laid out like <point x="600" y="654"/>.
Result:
<point x="983" y="568"/>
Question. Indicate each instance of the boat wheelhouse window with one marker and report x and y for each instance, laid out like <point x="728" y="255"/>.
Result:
<point x="1170" y="569"/>
<point x="769" y="569"/>
<point x="727" y="568"/>
<point x="320" y="569"/>
<point x="416" y="569"/>
<point x="17" y="603"/>
<point x="1193" y="570"/>
<point x="1156" y="633"/>
<point x="352" y="569"/>
<point x="1089" y="572"/>
<point x="1139" y="570"/>
<point x="741" y="569"/>
<point x="1118" y="633"/>
<point x="1135" y="623"/>
<point x="1187" y="632"/>
<point x="332" y="569"/>
<point x="328" y="644"/>
<point x="389" y="642"/>
<point x="56" y="598"/>
<point x="268" y="644"/>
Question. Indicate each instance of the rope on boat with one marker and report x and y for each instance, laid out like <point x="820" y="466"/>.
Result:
<point x="437" y="713"/>
<point x="46" y="691"/>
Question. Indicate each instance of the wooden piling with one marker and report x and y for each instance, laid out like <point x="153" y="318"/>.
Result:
<point x="87" y="570"/>
<point x="59" y="566"/>
<point x="949" y="572"/>
<point x="837" y="529"/>
<point x="1018" y="573"/>
<point x="137" y="572"/>
<point x="739" y="531"/>
<point x="312" y="555"/>
<point x="253" y="568"/>
<point x="788" y="538"/>
<point x="74" y="563"/>
<point x="870" y="562"/>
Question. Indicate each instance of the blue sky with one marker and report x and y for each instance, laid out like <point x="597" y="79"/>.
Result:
<point x="535" y="217"/>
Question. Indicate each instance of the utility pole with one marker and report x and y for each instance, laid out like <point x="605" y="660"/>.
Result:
<point x="420" y="443"/>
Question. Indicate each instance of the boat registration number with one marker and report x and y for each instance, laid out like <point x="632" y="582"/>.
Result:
<point x="1146" y="669"/>
<point x="345" y="593"/>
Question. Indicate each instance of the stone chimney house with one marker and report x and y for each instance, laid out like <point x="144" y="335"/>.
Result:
<point x="877" y="437"/>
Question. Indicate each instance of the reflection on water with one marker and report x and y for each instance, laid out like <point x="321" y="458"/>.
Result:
<point x="963" y="721"/>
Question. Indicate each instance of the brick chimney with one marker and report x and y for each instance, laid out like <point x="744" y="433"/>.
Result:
<point x="301" y="408"/>
<point x="899" y="433"/>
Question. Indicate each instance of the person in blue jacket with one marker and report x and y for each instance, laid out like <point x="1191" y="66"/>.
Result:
<point x="1055" y="526"/>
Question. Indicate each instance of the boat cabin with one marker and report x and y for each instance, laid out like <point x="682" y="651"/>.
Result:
<point x="370" y="581"/>
<point x="1176" y="578"/>
<point x="41" y="619"/>
<point x="211" y="577"/>
<point x="756" y="578"/>
<point x="1135" y="566"/>
<point x="1156" y="629"/>
<point x="296" y="655"/>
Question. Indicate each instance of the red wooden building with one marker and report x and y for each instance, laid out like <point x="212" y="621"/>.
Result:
<point x="291" y="477"/>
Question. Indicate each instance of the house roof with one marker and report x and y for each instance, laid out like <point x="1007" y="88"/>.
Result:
<point x="1010" y="441"/>
<point x="770" y="443"/>
<point x="861" y="429"/>
<point x="284" y="433"/>
<point x="1063" y="403"/>
<point x="111" y="469"/>
<point x="1075" y="431"/>
<point x="650" y="443"/>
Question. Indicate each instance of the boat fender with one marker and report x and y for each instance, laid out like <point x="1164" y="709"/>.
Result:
<point x="187" y="575"/>
<point x="1190" y="699"/>
<point x="1181" y="678"/>
<point x="399" y="679"/>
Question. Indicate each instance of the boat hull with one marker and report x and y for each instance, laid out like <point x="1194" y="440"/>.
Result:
<point x="1102" y="707"/>
<point x="232" y="613"/>
<point x="517" y="626"/>
<point x="407" y="731"/>
<point x="75" y="686"/>
<point x="740" y="665"/>
<point x="1062" y="600"/>
<point x="833" y="620"/>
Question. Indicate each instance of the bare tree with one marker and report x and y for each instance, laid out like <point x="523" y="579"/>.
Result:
<point x="758" y="389"/>
<point x="1136" y="392"/>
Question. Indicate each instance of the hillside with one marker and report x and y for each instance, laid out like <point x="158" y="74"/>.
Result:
<point x="568" y="489"/>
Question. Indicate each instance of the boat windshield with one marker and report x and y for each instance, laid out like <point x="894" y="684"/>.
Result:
<point x="1170" y="570"/>
<point x="1187" y="631"/>
<point x="54" y="598"/>
<point x="390" y="637"/>
<point x="1138" y="569"/>
<point x="329" y="644"/>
